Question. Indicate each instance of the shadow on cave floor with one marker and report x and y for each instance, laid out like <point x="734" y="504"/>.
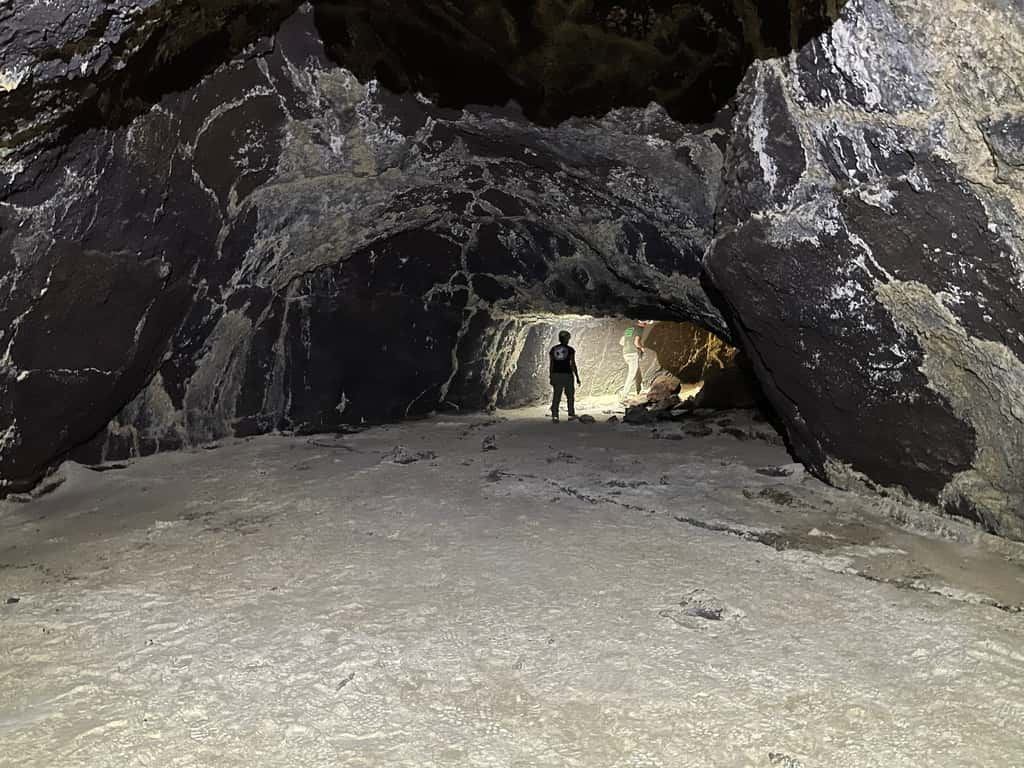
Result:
<point x="365" y="572"/>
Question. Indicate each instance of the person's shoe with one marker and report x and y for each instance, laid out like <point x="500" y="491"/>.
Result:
<point x="572" y="417"/>
<point x="554" y="418"/>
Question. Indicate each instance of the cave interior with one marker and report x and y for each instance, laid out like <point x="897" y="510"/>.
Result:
<point x="278" y="285"/>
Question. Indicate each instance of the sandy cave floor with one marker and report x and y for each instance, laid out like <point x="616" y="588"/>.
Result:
<point x="580" y="595"/>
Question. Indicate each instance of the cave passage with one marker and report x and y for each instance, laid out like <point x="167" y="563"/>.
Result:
<point x="278" y="281"/>
<point x="684" y="366"/>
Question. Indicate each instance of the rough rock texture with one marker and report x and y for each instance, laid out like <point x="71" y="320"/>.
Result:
<point x="694" y="355"/>
<point x="72" y="66"/>
<point x="869" y="250"/>
<point x="687" y="56"/>
<point x="190" y="250"/>
<point x="282" y="247"/>
<point x="78" y="64"/>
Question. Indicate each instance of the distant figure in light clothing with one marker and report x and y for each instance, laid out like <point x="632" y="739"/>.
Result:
<point x="632" y="344"/>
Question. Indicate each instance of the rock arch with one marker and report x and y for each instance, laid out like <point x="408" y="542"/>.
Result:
<point x="251" y="247"/>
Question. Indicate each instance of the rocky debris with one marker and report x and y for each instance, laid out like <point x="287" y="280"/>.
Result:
<point x="741" y="426"/>
<point x="682" y="411"/>
<point x="12" y="601"/>
<point x="612" y="420"/>
<point x="664" y="407"/>
<point x="108" y="467"/>
<point x="739" y="434"/>
<point x="402" y="455"/>
<point x="637" y="414"/>
<point x="673" y="415"/>
<point x="778" y="496"/>
<point x="750" y="431"/>
<point x="781" y="760"/>
<point x="587" y="419"/>
<point x="625" y="483"/>
<point x="698" y="430"/>
<point x="562" y="457"/>
<point x="783" y="471"/>
<point x="664" y="388"/>
<point x="489" y="443"/>
<point x="698" y="607"/>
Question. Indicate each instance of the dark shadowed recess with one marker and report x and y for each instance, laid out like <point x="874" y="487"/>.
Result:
<point x="556" y="58"/>
<point x="564" y="58"/>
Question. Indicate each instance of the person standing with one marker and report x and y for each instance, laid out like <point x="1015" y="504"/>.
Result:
<point x="632" y="344"/>
<point x="564" y="376"/>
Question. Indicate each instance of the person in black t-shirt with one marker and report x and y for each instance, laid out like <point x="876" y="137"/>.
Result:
<point x="563" y="372"/>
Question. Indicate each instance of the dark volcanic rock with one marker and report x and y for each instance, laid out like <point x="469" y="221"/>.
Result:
<point x="689" y="56"/>
<point x="638" y="414"/>
<point x="402" y="455"/>
<point x="880" y="295"/>
<point x="209" y="226"/>
<point x="282" y="247"/>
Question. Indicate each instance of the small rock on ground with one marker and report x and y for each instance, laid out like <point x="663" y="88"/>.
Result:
<point x="784" y="471"/>
<point x="637" y="414"/>
<point x="402" y="455"/>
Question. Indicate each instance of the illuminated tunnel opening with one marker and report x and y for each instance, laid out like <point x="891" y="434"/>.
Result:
<point x="684" y="366"/>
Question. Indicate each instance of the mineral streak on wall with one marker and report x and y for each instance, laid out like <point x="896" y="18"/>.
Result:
<point x="213" y="222"/>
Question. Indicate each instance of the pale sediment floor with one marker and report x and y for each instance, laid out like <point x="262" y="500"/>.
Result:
<point x="579" y="595"/>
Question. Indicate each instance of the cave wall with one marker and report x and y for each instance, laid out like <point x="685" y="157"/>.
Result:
<point x="517" y="352"/>
<point x="191" y="248"/>
<point x="869" y="250"/>
<point x="298" y="250"/>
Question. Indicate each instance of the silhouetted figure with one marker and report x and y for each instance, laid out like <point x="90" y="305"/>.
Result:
<point x="564" y="376"/>
<point x="632" y="353"/>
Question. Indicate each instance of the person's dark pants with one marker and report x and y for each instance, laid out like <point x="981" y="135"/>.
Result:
<point x="563" y="382"/>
